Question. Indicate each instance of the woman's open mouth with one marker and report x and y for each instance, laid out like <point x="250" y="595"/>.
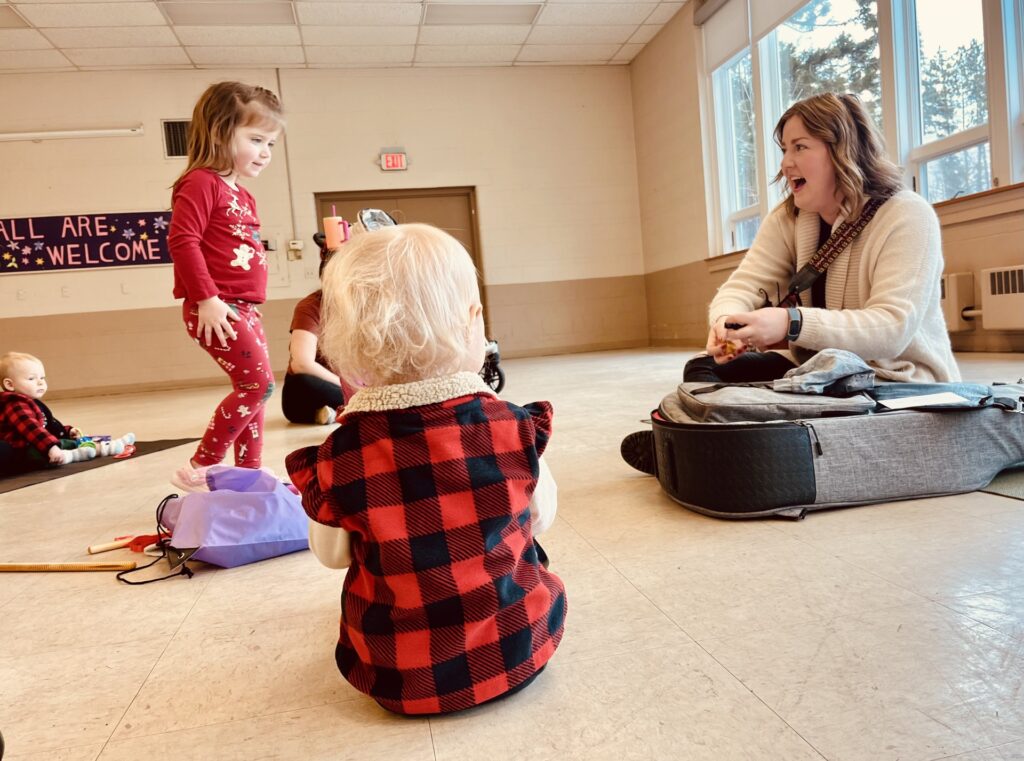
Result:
<point x="797" y="183"/>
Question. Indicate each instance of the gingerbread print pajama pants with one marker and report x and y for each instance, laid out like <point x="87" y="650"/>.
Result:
<point x="238" y="419"/>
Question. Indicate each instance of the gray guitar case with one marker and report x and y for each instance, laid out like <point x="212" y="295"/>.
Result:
<point x="750" y="452"/>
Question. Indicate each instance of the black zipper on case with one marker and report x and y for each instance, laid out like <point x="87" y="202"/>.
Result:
<point x="815" y="442"/>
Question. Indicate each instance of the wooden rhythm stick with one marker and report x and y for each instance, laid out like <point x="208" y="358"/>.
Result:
<point x="39" y="567"/>
<point x="117" y="544"/>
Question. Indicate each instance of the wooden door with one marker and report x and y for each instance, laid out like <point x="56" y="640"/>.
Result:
<point x="451" y="209"/>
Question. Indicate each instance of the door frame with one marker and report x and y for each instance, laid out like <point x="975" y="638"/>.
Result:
<point x="322" y="203"/>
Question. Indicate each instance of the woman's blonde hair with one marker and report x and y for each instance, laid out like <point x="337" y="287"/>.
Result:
<point x="858" y="154"/>
<point x="396" y="305"/>
<point x="219" y="111"/>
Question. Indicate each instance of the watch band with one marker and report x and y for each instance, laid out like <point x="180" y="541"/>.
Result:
<point x="796" y="322"/>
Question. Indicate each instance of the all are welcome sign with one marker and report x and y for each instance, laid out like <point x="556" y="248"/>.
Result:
<point x="83" y="241"/>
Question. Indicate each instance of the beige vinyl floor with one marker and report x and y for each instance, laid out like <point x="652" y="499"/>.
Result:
<point x="893" y="631"/>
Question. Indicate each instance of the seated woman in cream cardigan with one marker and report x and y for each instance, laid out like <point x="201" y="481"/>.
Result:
<point x="879" y="295"/>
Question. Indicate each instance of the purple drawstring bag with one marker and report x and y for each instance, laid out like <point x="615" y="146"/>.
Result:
<point x="248" y="515"/>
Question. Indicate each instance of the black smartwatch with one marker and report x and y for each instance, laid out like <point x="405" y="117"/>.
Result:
<point x="796" y="322"/>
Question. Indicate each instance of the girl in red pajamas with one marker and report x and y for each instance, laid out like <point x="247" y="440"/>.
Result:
<point x="220" y="266"/>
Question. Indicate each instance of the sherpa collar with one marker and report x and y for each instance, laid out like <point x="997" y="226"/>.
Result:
<point x="401" y="396"/>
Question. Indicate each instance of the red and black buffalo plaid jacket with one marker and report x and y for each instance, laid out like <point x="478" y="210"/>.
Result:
<point x="445" y="604"/>
<point x="26" y="422"/>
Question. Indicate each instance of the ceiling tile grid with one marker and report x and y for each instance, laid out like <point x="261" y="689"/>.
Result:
<point x="47" y="35"/>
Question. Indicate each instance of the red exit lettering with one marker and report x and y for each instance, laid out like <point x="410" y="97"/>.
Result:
<point x="390" y="162"/>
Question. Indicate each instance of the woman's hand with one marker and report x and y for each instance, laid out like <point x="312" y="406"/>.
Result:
<point x="762" y="329"/>
<point x="215" y="319"/>
<point x="719" y="346"/>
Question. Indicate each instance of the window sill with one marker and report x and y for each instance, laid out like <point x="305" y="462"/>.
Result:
<point x="988" y="203"/>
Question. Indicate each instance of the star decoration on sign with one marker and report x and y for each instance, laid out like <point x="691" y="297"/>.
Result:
<point x="26" y="250"/>
<point x="39" y="245"/>
<point x="7" y="255"/>
<point x="128" y="233"/>
<point x="39" y="261"/>
<point x="13" y="245"/>
<point x="160" y="223"/>
<point x="144" y="236"/>
<point x="142" y="223"/>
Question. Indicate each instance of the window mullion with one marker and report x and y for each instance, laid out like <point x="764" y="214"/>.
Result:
<point x="1013" y="32"/>
<point x="908" y="90"/>
<point x="949" y="144"/>
<point x="997" y="79"/>
<point x="767" y="84"/>
<point x="887" y="73"/>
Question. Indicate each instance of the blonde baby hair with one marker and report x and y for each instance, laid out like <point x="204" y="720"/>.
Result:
<point x="221" y="109"/>
<point x="396" y="305"/>
<point x="12" y="358"/>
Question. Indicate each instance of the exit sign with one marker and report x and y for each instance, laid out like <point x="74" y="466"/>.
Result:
<point x="391" y="162"/>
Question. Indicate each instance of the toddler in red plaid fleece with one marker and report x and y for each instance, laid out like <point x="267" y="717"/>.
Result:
<point x="431" y="489"/>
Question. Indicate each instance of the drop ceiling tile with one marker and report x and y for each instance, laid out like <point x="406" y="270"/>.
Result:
<point x="126" y="56"/>
<point x="359" y="35"/>
<point x="565" y="53"/>
<point x="627" y="53"/>
<point x="560" y="63"/>
<point x="594" y="14"/>
<point x="229" y="12"/>
<point x="483" y="34"/>
<point x="359" y="65"/>
<point x="645" y="33"/>
<point x="569" y="35"/>
<point x="360" y="14"/>
<point x="490" y="2"/>
<point x="32" y="59"/>
<point x="492" y="14"/>
<point x="212" y="36"/>
<point x="23" y="39"/>
<point x="482" y="54"/>
<point x="11" y="20"/>
<point x="93" y="14"/>
<point x="112" y="37"/>
<point x="664" y="12"/>
<point x="268" y="55"/>
<point x="357" y="54"/>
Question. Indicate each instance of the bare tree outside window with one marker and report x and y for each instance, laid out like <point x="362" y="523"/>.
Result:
<point x="831" y="46"/>
<point x="951" y="55"/>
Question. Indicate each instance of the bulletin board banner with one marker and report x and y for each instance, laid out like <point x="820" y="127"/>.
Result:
<point x="83" y="241"/>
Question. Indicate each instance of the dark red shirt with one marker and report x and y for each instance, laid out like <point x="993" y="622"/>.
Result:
<point x="445" y="604"/>
<point x="214" y="241"/>
<point x="307" y="317"/>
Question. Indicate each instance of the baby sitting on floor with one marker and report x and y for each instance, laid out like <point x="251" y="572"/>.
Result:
<point x="30" y="436"/>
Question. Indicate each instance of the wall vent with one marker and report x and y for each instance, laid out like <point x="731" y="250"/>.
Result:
<point x="1002" y="298"/>
<point x="175" y="137"/>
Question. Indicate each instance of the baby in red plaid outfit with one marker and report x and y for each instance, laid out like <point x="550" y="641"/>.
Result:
<point x="431" y="489"/>
<point x="30" y="436"/>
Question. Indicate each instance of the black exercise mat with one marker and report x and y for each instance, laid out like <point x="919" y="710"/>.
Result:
<point x="48" y="474"/>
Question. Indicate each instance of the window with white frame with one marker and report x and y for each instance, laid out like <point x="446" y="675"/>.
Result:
<point x="944" y="81"/>
<point x="737" y="152"/>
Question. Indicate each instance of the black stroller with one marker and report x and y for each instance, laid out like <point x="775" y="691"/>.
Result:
<point x="374" y="219"/>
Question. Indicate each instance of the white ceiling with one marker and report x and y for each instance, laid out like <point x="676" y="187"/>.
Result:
<point x="40" y="35"/>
